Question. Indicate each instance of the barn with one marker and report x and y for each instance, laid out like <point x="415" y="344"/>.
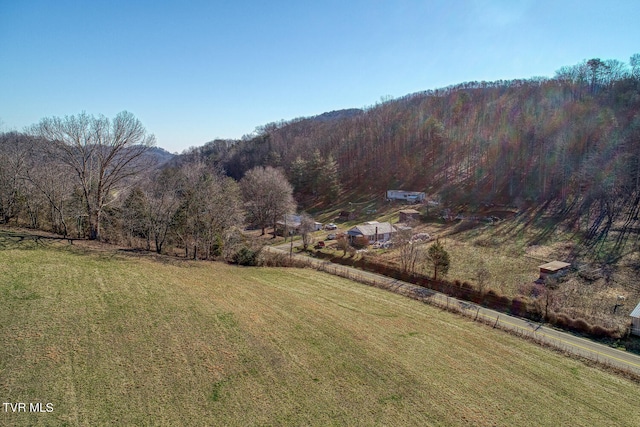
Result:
<point x="407" y="215"/>
<point x="635" y="320"/>
<point x="553" y="269"/>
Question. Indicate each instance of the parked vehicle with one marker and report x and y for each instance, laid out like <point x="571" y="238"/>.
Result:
<point x="331" y="226"/>
<point x="320" y="245"/>
<point x="331" y="236"/>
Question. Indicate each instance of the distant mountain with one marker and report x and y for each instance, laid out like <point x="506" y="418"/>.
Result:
<point x="159" y="155"/>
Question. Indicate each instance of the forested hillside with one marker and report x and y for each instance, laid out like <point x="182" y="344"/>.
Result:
<point x="571" y="141"/>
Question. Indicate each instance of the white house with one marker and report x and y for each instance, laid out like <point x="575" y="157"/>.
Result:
<point x="374" y="231"/>
<point x="635" y="320"/>
<point x="407" y="196"/>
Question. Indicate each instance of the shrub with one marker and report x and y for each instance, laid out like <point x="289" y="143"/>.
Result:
<point x="360" y="242"/>
<point x="503" y="302"/>
<point x="274" y="259"/>
<point x="562" y="321"/>
<point x="216" y="246"/>
<point x="552" y="318"/>
<point x="245" y="256"/>
<point x="519" y="307"/>
<point x="467" y="291"/>
<point x="491" y="299"/>
<point x="598" y="331"/>
<point x="580" y="326"/>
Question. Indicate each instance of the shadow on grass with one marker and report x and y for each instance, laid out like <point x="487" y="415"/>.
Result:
<point x="12" y="240"/>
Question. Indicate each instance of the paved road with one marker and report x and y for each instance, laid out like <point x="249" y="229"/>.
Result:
<point x="558" y="339"/>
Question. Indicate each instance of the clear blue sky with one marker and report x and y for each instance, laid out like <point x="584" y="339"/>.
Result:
<point x="193" y="71"/>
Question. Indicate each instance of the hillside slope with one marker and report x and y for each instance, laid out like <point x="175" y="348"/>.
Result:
<point x="113" y="338"/>
<point x="569" y="145"/>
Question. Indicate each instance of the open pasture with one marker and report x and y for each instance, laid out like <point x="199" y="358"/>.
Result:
<point x="115" y="339"/>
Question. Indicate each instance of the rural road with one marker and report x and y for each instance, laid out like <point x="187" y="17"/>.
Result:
<point x="553" y="337"/>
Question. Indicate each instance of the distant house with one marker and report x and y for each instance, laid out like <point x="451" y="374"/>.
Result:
<point x="552" y="269"/>
<point x="635" y="320"/>
<point x="373" y="231"/>
<point x="406" y="196"/>
<point x="292" y="223"/>
<point x="407" y="215"/>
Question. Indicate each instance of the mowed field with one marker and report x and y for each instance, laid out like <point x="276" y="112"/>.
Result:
<point x="115" y="339"/>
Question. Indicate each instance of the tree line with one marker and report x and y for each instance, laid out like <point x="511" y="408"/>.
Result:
<point x="92" y="177"/>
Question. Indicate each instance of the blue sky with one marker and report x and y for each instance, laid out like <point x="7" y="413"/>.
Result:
<point x="193" y="71"/>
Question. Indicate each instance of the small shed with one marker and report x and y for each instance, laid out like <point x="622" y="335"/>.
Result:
<point x="407" y="215"/>
<point x="635" y="320"/>
<point x="553" y="269"/>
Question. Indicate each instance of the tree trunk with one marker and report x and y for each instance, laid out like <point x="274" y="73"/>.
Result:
<point x="94" y="225"/>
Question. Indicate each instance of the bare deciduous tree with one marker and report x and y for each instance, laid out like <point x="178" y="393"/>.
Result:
<point x="164" y="194"/>
<point x="307" y="226"/>
<point x="408" y="251"/>
<point x="343" y="244"/>
<point x="14" y="151"/>
<point x="49" y="179"/>
<point x="210" y="206"/>
<point x="267" y="196"/>
<point x="101" y="153"/>
<point x="483" y="275"/>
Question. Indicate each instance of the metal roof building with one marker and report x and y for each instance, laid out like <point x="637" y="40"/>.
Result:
<point x="635" y="320"/>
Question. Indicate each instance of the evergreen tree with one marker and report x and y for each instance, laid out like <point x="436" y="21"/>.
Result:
<point x="438" y="257"/>
<point x="330" y="186"/>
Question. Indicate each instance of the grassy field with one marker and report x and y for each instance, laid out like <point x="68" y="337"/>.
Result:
<point x="116" y="339"/>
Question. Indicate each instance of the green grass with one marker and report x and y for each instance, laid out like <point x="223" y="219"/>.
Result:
<point x="111" y="339"/>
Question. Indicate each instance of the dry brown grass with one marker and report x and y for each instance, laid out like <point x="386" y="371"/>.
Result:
<point x="511" y="252"/>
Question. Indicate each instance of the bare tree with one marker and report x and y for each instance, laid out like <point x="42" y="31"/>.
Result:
<point x="101" y="153"/>
<point x="307" y="226"/>
<point x="267" y="196"/>
<point x="408" y="250"/>
<point x="14" y="151"/>
<point x="56" y="187"/>
<point x="343" y="244"/>
<point x="210" y="206"/>
<point x="164" y="194"/>
<point x="483" y="275"/>
<point x="634" y="62"/>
